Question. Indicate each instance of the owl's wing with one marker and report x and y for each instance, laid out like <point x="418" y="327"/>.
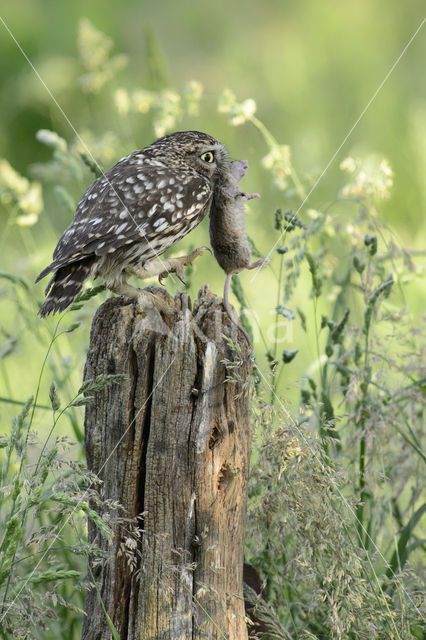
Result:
<point x="135" y="202"/>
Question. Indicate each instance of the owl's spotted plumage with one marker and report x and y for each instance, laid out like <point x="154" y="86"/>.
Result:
<point x="133" y="213"/>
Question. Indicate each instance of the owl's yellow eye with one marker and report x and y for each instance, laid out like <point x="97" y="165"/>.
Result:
<point x="207" y="157"/>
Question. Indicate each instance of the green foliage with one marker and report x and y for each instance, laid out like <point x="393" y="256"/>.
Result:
<point x="334" y="501"/>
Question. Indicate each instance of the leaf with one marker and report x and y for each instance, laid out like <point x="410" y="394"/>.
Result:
<point x="72" y="327"/>
<point x="237" y="290"/>
<point x="51" y="139"/>
<point x="86" y="295"/>
<point x="281" y="250"/>
<point x="65" y="198"/>
<point x="337" y="330"/>
<point x="278" y="219"/>
<point x="95" y="167"/>
<point x="316" y="280"/>
<point x="254" y="250"/>
<point x="283" y="311"/>
<point x="371" y="244"/>
<point x="54" y="398"/>
<point x="358" y="263"/>
<point x="401" y="553"/>
<point x="289" y="354"/>
<point x="302" y="318"/>
<point x="9" y="347"/>
<point x="102" y="381"/>
<point x="382" y="289"/>
<point x="15" y="279"/>
<point x="80" y="402"/>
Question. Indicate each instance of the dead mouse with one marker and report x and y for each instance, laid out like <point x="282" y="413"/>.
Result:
<point x="228" y="235"/>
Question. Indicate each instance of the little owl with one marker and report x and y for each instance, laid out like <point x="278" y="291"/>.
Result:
<point x="130" y="215"/>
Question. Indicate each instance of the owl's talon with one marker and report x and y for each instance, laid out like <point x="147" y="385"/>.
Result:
<point x="176" y="265"/>
<point x="164" y="275"/>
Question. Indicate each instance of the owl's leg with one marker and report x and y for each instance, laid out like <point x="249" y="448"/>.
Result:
<point x="163" y="268"/>
<point x="124" y="289"/>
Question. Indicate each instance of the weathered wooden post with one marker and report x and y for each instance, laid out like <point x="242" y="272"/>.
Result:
<point x="172" y="443"/>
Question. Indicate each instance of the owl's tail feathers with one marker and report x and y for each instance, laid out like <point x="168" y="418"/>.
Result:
<point x="65" y="284"/>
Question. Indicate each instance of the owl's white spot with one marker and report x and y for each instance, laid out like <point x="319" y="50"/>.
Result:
<point x="159" y="222"/>
<point x="161" y="184"/>
<point x="123" y="214"/>
<point x="201" y="195"/>
<point x="163" y="199"/>
<point x="137" y="188"/>
<point x="121" y="227"/>
<point x="169" y="206"/>
<point x="130" y="180"/>
<point x="112" y="228"/>
<point x="120" y="237"/>
<point x="92" y="196"/>
<point x="100" y="245"/>
<point x="171" y="181"/>
<point x="162" y="226"/>
<point x="179" y="195"/>
<point x="90" y="235"/>
<point x="192" y="209"/>
<point x="176" y="216"/>
<point x="152" y="210"/>
<point x="96" y="220"/>
<point x="123" y="158"/>
<point x="154" y="163"/>
<point x="69" y="232"/>
<point x="179" y="203"/>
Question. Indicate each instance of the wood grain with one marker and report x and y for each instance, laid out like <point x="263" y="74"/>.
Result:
<point x="171" y="445"/>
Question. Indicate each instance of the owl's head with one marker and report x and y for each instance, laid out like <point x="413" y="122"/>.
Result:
<point x="201" y="152"/>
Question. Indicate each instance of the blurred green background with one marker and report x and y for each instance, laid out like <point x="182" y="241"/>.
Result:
<point x="311" y="67"/>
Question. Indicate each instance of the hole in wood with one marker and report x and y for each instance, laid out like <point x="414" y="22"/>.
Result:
<point x="225" y="477"/>
<point x="215" y="437"/>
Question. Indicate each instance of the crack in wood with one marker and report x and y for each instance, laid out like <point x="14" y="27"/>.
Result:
<point x="182" y="460"/>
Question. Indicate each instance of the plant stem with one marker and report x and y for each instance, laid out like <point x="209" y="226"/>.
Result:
<point x="273" y="143"/>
